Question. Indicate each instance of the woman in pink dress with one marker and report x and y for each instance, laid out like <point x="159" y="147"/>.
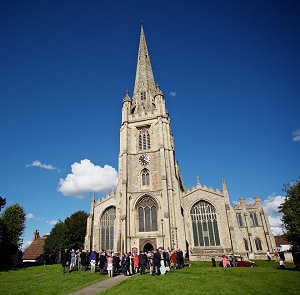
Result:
<point x="110" y="266"/>
<point x="136" y="263"/>
<point x="224" y="261"/>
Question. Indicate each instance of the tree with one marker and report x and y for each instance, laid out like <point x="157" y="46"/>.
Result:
<point x="14" y="220"/>
<point x="291" y="212"/>
<point x="69" y="234"/>
<point x="76" y="229"/>
<point x="55" y="242"/>
<point x="12" y="225"/>
<point x="2" y="202"/>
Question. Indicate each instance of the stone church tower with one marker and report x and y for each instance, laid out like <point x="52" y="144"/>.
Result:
<point x="150" y="207"/>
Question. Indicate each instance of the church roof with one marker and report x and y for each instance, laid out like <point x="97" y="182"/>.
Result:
<point x="36" y="249"/>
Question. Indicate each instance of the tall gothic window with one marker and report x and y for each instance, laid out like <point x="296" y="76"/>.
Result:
<point x="246" y="245"/>
<point x="144" y="139"/>
<point x="258" y="244"/>
<point x="147" y="213"/>
<point x="239" y="219"/>
<point x="107" y="224"/>
<point x="253" y="219"/>
<point x="145" y="177"/>
<point x="205" y="225"/>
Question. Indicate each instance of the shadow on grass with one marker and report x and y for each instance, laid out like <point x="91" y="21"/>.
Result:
<point x="4" y="268"/>
<point x="289" y="269"/>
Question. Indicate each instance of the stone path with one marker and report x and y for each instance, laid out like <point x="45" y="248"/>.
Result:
<point x="101" y="286"/>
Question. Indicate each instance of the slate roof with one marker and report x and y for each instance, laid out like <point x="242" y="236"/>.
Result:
<point x="35" y="250"/>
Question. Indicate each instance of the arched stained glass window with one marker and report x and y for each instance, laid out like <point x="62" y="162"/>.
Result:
<point x="147" y="214"/>
<point x="144" y="139"/>
<point x="145" y="177"/>
<point x="258" y="244"/>
<point x="107" y="224"/>
<point x="205" y="225"/>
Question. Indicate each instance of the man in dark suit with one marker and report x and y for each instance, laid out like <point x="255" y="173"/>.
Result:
<point x="65" y="260"/>
<point x="142" y="262"/>
<point x="157" y="259"/>
<point x="102" y="262"/>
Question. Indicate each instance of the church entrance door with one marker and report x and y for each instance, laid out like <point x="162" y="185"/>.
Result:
<point x="148" y="247"/>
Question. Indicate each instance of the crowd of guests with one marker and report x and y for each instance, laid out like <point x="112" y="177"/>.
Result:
<point x="157" y="262"/>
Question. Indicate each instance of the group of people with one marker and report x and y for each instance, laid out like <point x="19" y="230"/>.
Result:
<point x="75" y="260"/>
<point x="226" y="261"/>
<point x="158" y="262"/>
<point x="279" y="257"/>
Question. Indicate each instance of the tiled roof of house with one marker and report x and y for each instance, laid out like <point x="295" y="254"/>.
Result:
<point x="35" y="250"/>
<point x="281" y="241"/>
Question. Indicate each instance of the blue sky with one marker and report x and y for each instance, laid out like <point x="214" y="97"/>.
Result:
<point x="229" y="70"/>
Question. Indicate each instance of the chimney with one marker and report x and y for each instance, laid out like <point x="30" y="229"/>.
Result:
<point x="36" y="235"/>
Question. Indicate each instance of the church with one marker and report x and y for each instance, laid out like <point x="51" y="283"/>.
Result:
<point x="151" y="208"/>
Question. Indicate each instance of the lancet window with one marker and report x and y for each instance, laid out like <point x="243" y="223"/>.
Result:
<point x="143" y="95"/>
<point x="147" y="214"/>
<point x="258" y="244"/>
<point x="145" y="177"/>
<point x="205" y="225"/>
<point x="107" y="225"/>
<point x="144" y="139"/>
<point x="239" y="219"/>
<point x="246" y="245"/>
<point x="253" y="219"/>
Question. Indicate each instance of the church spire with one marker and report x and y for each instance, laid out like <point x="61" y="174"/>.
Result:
<point x="144" y="79"/>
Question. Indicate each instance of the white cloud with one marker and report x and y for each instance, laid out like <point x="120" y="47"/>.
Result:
<point x="33" y="217"/>
<point x="276" y="225"/>
<point x="25" y="245"/>
<point x="296" y="135"/>
<point x="173" y="93"/>
<point x="37" y="163"/>
<point x="270" y="206"/>
<point x="52" y="222"/>
<point x="249" y="201"/>
<point x="29" y="216"/>
<point x="86" y="178"/>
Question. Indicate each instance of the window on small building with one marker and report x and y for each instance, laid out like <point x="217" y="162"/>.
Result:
<point x="107" y="223"/>
<point x="239" y="219"/>
<point x="246" y="245"/>
<point x="147" y="214"/>
<point x="258" y="244"/>
<point x="205" y="225"/>
<point x="145" y="177"/>
<point x="253" y="219"/>
<point x="144" y="139"/>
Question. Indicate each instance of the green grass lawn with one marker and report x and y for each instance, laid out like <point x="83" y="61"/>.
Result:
<point x="200" y="278"/>
<point x="47" y="279"/>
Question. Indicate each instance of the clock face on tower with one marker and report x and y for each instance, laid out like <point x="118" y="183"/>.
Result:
<point x="144" y="160"/>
